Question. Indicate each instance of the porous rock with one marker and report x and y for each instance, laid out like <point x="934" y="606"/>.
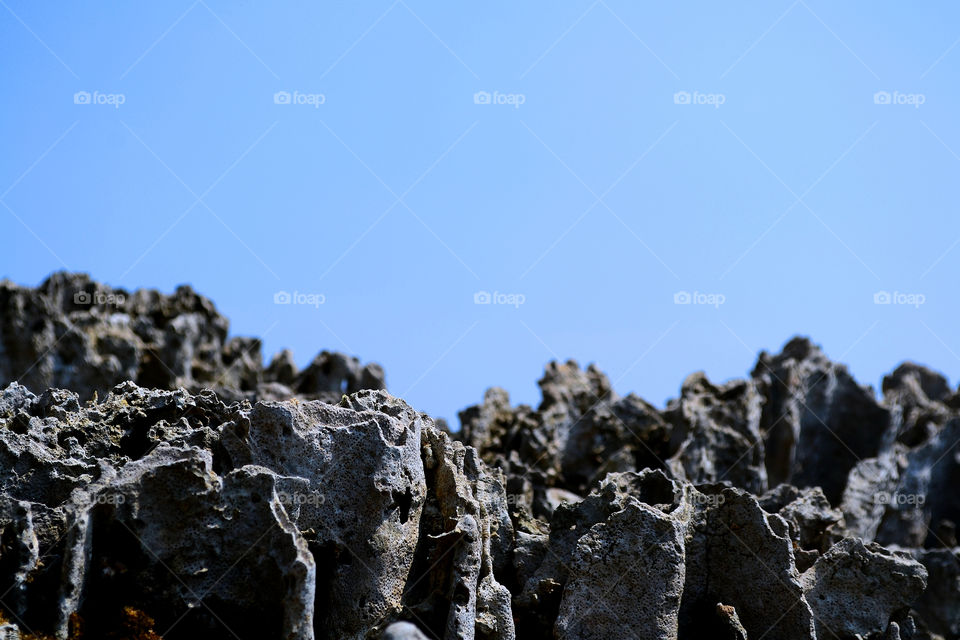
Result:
<point x="74" y="333"/>
<point x="282" y="519"/>
<point x="175" y="486"/>
<point x="855" y="588"/>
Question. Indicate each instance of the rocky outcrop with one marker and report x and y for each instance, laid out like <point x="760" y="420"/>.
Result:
<point x="853" y="588"/>
<point x="817" y="421"/>
<point x="74" y="333"/>
<point x="282" y="519"/>
<point x="156" y="480"/>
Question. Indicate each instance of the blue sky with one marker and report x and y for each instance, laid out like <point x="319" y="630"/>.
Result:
<point x="628" y="152"/>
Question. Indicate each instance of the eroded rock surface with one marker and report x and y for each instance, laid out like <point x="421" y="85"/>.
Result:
<point x="74" y="333"/>
<point x="281" y="519"/>
<point x="279" y="503"/>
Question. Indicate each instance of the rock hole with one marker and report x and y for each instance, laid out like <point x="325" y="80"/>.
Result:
<point x="403" y="501"/>
<point x="461" y="594"/>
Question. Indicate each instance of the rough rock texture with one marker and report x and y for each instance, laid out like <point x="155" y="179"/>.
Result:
<point x="74" y="333"/>
<point x="818" y="422"/>
<point x="137" y="503"/>
<point x="853" y="587"/>
<point x="283" y="519"/>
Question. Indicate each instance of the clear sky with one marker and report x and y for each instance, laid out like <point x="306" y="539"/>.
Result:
<point x="623" y="152"/>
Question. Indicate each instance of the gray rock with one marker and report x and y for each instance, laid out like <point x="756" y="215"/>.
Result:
<point x="870" y="482"/>
<point x="922" y="402"/>
<point x="635" y="556"/>
<point x="807" y="513"/>
<point x="720" y="433"/>
<point x="77" y="334"/>
<point x="732" y="542"/>
<point x="176" y="504"/>
<point x="940" y="603"/>
<point x="189" y="512"/>
<point x="818" y="422"/>
<point x="906" y="496"/>
<point x="854" y="589"/>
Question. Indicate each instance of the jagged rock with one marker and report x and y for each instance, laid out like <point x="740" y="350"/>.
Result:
<point x="282" y="369"/>
<point x="733" y="542"/>
<point x="818" y="422"/>
<point x="808" y="514"/>
<point x="698" y="548"/>
<point x="74" y="333"/>
<point x="905" y="497"/>
<point x="466" y="538"/>
<point x="549" y="588"/>
<point x="940" y="603"/>
<point x="151" y="498"/>
<point x="364" y="492"/>
<point x="922" y="401"/>
<point x="720" y="433"/>
<point x="854" y="589"/>
<point x="581" y="432"/>
<point x="635" y="556"/>
<point x="334" y="374"/>
<point x="870" y="482"/>
<point x="250" y="510"/>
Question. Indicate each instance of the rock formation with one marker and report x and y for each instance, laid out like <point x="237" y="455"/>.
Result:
<point x="156" y="480"/>
<point x="73" y="333"/>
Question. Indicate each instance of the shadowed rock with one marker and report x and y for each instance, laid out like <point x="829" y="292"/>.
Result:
<point x="134" y="501"/>
<point x="74" y="333"/>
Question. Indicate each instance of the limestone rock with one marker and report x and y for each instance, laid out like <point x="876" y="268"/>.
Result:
<point x="720" y="432"/>
<point x="74" y="333"/>
<point x="939" y="606"/>
<point x="854" y="588"/>
<point x="818" y="422"/>
<point x="175" y="486"/>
